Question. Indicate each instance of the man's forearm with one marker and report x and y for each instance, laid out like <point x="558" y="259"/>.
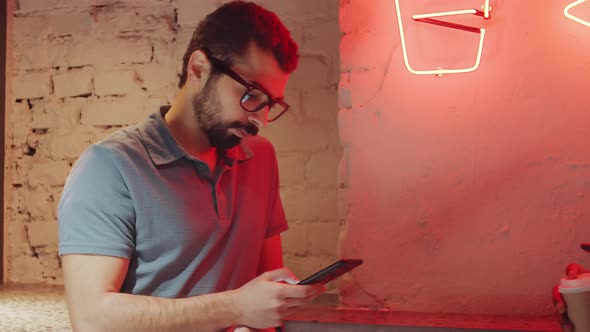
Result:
<point x="126" y="312"/>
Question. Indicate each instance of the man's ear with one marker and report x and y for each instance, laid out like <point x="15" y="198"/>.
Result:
<point x="198" y="69"/>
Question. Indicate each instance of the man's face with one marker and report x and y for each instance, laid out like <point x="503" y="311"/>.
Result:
<point x="208" y="112"/>
<point x="217" y="107"/>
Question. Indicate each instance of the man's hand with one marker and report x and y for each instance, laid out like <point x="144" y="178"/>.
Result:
<point x="267" y="299"/>
<point x="571" y="271"/>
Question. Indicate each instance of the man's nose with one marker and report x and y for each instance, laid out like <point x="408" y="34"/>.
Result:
<point x="259" y="119"/>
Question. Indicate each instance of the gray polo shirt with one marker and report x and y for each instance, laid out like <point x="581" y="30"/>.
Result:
<point x="138" y="195"/>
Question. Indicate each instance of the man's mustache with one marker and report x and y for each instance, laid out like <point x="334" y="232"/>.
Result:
<point x="251" y="129"/>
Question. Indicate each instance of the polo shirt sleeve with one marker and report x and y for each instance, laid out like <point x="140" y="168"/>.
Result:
<point x="95" y="213"/>
<point x="277" y="222"/>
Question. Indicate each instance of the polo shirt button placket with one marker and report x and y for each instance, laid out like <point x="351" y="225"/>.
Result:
<point x="221" y="204"/>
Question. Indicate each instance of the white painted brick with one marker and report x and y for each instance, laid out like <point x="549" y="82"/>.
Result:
<point x="28" y="5"/>
<point x="117" y="111"/>
<point x="157" y="79"/>
<point x="19" y="245"/>
<point x="74" y="82"/>
<point x="40" y="204"/>
<point x="165" y="52"/>
<point x="116" y="81"/>
<point x="37" y="141"/>
<point x="304" y="266"/>
<point x="291" y="169"/>
<point x="58" y="114"/>
<point x="20" y="170"/>
<point x="313" y="72"/>
<point x="300" y="8"/>
<point x="138" y="16"/>
<point x="54" y="200"/>
<point x="15" y="223"/>
<point x="322" y="169"/>
<point x="49" y="173"/>
<point x="310" y="204"/>
<point x="38" y="5"/>
<point x="38" y="108"/>
<point x="41" y="26"/>
<point x="321" y="106"/>
<point x="308" y="137"/>
<point x="68" y="144"/>
<point x="31" y="85"/>
<point x="20" y="123"/>
<point x="51" y="266"/>
<point x="25" y="269"/>
<point x="30" y="28"/>
<point x="191" y="12"/>
<point x="295" y="239"/>
<point x="16" y="200"/>
<point x="109" y="52"/>
<point x="42" y="55"/>
<point x="43" y="234"/>
<point x="324" y="238"/>
<point x="76" y="23"/>
<point x="322" y="36"/>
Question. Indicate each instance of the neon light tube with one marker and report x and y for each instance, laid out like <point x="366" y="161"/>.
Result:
<point x="566" y="11"/>
<point x="456" y="12"/>
<point x="438" y="71"/>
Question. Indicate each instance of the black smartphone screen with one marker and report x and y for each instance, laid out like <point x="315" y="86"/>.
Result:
<point x="331" y="272"/>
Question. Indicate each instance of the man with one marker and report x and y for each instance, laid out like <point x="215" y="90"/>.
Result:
<point x="174" y="224"/>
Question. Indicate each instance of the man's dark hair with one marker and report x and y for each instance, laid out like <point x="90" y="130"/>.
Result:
<point x="228" y="31"/>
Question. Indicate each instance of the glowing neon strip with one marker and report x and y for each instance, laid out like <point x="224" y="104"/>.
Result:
<point x="440" y="71"/>
<point x="486" y="10"/>
<point x="566" y="11"/>
<point x="456" y="12"/>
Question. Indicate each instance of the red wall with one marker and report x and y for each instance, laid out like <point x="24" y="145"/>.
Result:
<point x="470" y="192"/>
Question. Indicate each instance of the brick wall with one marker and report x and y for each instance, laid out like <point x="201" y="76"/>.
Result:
<point x="82" y="69"/>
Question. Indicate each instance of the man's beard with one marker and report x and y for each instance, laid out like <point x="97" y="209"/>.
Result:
<point x="207" y="111"/>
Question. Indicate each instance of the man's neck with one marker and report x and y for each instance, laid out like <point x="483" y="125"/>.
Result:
<point x="186" y="131"/>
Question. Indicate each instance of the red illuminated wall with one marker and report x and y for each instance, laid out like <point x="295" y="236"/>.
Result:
<point x="470" y="192"/>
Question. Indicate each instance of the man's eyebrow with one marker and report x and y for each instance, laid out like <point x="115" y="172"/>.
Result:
<point x="258" y="85"/>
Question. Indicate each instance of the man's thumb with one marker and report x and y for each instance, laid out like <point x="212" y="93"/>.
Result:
<point x="282" y="274"/>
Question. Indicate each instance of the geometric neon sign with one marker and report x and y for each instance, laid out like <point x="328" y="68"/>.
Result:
<point x="434" y="18"/>
<point x="566" y="11"/>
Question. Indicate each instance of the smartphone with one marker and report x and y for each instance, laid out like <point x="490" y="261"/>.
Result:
<point x="331" y="272"/>
<point x="585" y="246"/>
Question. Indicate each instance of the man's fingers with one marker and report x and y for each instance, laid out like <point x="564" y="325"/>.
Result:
<point x="558" y="301"/>
<point x="289" y="311"/>
<point x="282" y="274"/>
<point x="567" y="326"/>
<point x="297" y="302"/>
<point x="573" y="270"/>
<point x="300" y="291"/>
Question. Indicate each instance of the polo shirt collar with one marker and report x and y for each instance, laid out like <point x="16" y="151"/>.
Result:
<point x="163" y="149"/>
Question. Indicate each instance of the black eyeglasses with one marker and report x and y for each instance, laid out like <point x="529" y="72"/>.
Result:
<point x="255" y="98"/>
